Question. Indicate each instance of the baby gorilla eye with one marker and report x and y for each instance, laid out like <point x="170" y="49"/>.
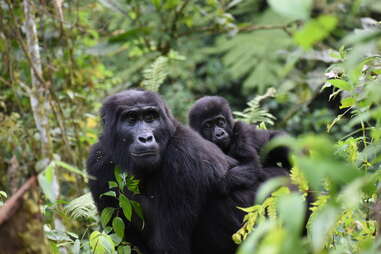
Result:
<point x="208" y="125"/>
<point x="221" y="122"/>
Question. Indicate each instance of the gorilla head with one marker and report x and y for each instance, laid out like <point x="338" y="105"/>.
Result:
<point x="137" y="127"/>
<point x="211" y="116"/>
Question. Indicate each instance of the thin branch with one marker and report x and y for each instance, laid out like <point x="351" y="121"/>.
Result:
<point x="246" y="28"/>
<point x="11" y="205"/>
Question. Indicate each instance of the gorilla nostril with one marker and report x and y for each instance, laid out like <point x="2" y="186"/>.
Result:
<point x="146" y="139"/>
<point x="220" y="134"/>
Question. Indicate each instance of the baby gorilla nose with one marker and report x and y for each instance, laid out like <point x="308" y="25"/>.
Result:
<point x="220" y="134"/>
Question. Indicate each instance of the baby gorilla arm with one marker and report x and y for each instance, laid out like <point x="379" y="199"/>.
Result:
<point x="249" y="172"/>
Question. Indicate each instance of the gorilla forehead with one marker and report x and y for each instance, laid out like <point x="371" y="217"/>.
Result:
<point x="133" y="97"/>
<point x="210" y="106"/>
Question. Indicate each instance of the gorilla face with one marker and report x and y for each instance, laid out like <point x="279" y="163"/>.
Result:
<point x="211" y="116"/>
<point x="137" y="127"/>
<point x="216" y="130"/>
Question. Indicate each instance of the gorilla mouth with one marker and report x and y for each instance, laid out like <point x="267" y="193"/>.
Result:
<point x="223" y="143"/>
<point x="143" y="154"/>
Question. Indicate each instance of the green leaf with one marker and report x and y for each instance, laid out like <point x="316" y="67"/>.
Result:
<point x="322" y="225"/>
<point x="120" y="177"/>
<point x="295" y="9"/>
<point x="315" y="31"/>
<point x="126" y="206"/>
<point x="292" y="218"/>
<point x="250" y="245"/>
<point x="3" y="195"/>
<point x="269" y="186"/>
<point x="71" y="168"/>
<point x="106" y="215"/>
<point x="109" y="194"/>
<point x="155" y="74"/>
<point x="118" y="226"/>
<point x="76" y="247"/>
<point x="48" y="182"/>
<point x="347" y="102"/>
<point x="341" y="84"/>
<point x="101" y="243"/>
<point x="82" y="207"/>
<point x="124" y="250"/>
<point x="156" y="3"/>
<point x="116" y="239"/>
<point x="112" y="184"/>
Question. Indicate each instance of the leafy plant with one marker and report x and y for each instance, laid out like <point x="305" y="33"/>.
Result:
<point x="114" y="227"/>
<point x="254" y="113"/>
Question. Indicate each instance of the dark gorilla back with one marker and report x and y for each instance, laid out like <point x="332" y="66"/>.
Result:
<point x="180" y="177"/>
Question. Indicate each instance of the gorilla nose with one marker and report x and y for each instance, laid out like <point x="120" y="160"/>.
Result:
<point x="220" y="134"/>
<point x="146" y="139"/>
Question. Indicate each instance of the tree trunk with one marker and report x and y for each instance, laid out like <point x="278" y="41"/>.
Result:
<point x="21" y="222"/>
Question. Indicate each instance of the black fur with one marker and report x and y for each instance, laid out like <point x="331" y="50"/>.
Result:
<point x="245" y="142"/>
<point x="180" y="182"/>
<point x="242" y="141"/>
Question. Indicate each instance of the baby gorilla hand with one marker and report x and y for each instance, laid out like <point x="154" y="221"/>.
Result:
<point x="239" y="178"/>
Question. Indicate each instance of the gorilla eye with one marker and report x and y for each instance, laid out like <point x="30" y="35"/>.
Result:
<point x="130" y="117"/>
<point x="151" y="116"/>
<point x="208" y="125"/>
<point x="221" y="122"/>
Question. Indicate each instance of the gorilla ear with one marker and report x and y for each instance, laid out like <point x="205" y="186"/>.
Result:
<point x="103" y="116"/>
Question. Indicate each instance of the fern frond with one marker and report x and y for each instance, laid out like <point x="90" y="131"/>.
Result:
<point x="316" y="207"/>
<point x="155" y="74"/>
<point x="82" y="207"/>
<point x="250" y="56"/>
<point x="254" y="113"/>
<point x="298" y="178"/>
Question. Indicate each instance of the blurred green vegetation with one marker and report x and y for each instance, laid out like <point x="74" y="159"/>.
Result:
<point x="322" y="57"/>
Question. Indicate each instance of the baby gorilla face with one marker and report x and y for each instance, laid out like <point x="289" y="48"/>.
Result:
<point x="216" y="130"/>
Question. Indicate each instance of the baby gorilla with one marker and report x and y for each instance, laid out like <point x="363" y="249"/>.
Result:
<point x="212" y="117"/>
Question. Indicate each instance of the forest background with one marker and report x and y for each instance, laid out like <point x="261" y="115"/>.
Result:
<point x="317" y="63"/>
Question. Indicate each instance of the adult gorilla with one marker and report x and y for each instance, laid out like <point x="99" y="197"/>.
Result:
<point x="211" y="116"/>
<point x="181" y="176"/>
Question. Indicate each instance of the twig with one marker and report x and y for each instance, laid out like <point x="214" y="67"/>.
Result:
<point x="247" y="28"/>
<point x="12" y="204"/>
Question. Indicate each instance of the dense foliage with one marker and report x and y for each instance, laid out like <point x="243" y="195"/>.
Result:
<point x="312" y="68"/>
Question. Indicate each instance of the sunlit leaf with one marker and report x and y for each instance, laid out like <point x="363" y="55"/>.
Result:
<point x="315" y="30"/>
<point x="124" y="250"/>
<point x="101" y="243"/>
<point x="118" y="226"/>
<point x="322" y="225"/>
<point x="296" y="9"/>
<point x="126" y="206"/>
<point x="291" y="211"/>
<point x="269" y="186"/>
<point x="106" y="215"/>
<point x="341" y="84"/>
